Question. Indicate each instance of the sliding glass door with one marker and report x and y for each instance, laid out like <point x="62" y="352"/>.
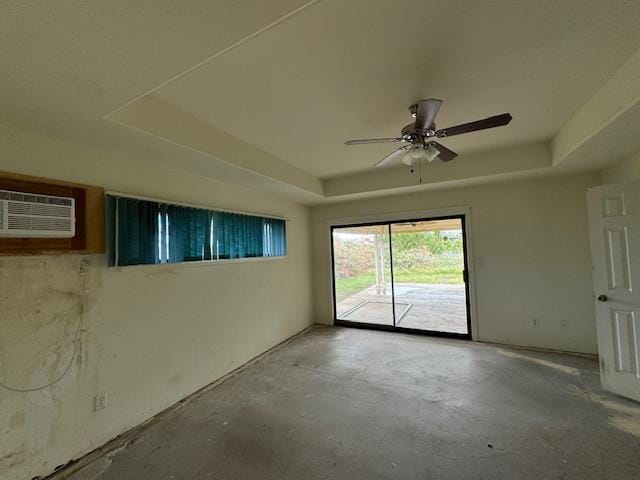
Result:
<point x="362" y="274"/>
<point x="402" y="275"/>
<point x="429" y="275"/>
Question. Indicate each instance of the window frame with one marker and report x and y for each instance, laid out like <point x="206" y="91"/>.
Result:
<point x="164" y="237"/>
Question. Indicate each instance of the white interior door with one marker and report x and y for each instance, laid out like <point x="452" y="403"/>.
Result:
<point x="614" y="230"/>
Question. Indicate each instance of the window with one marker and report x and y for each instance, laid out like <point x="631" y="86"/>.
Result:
<point x="142" y="232"/>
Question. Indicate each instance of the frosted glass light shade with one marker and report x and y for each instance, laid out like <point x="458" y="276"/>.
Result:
<point x="417" y="153"/>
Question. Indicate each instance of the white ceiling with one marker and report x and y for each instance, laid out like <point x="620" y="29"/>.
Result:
<point x="295" y="78"/>
<point x="66" y="64"/>
<point x="340" y="70"/>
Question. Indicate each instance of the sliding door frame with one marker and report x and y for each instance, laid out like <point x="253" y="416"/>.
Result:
<point x="463" y="216"/>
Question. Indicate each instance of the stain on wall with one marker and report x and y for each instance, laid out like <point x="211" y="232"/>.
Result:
<point x="41" y="305"/>
<point x="153" y="335"/>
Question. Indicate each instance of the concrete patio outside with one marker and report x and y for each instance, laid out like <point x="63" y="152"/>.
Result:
<point x="437" y="307"/>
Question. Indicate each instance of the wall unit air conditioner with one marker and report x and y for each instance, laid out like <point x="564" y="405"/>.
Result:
<point x="27" y="215"/>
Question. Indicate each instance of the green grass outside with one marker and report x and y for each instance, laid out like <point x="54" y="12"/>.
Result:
<point x="347" y="286"/>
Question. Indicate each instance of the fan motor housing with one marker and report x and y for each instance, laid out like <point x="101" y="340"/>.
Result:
<point x="410" y="132"/>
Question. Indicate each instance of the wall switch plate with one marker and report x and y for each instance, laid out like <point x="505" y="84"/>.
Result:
<point x="100" y="401"/>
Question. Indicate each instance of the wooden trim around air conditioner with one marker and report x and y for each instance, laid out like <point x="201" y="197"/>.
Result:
<point x="90" y="222"/>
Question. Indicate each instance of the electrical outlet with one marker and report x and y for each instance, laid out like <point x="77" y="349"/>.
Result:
<point x="100" y="401"/>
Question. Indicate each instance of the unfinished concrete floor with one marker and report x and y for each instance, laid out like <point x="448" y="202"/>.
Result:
<point x="340" y="403"/>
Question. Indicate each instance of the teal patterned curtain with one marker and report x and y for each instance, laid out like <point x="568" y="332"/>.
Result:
<point x="132" y="234"/>
<point x="237" y="236"/>
<point x="143" y="232"/>
<point x="275" y="238"/>
<point x="189" y="234"/>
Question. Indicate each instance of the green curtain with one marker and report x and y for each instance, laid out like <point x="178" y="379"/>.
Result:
<point x="189" y="231"/>
<point x="144" y="232"/>
<point x="275" y="238"/>
<point x="110" y="230"/>
<point x="133" y="231"/>
<point x="237" y="236"/>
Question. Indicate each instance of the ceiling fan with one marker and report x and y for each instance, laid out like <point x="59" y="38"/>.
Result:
<point x="419" y="136"/>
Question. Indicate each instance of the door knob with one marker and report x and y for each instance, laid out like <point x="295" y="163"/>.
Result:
<point x="602" y="298"/>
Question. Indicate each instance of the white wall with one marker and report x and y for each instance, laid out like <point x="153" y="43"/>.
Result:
<point x="623" y="171"/>
<point x="155" y="334"/>
<point x="152" y="335"/>
<point x="531" y="254"/>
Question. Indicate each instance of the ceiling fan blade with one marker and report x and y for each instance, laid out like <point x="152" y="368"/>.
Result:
<point x="491" y="122"/>
<point x="392" y="157"/>
<point x="426" y="114"/>
<point x="445" y="154"/>
<point x="365" y="141"/>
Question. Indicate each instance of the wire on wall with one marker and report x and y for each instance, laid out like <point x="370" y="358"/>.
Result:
<point x="76" y="337"/>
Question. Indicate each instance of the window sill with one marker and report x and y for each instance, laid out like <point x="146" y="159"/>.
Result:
<point x="196" y="264"/>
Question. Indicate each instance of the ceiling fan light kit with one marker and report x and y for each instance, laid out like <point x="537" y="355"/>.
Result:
<point x="419" y="136"/>
<point x="417" y="153"/>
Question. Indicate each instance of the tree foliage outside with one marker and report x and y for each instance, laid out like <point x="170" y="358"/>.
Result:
<point x="418" y="257"/>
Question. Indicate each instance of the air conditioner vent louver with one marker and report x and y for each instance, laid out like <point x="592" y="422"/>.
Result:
<point x="31" y="223"/>
<point x="26" y="215"/>
<point x="36" y="209"/>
